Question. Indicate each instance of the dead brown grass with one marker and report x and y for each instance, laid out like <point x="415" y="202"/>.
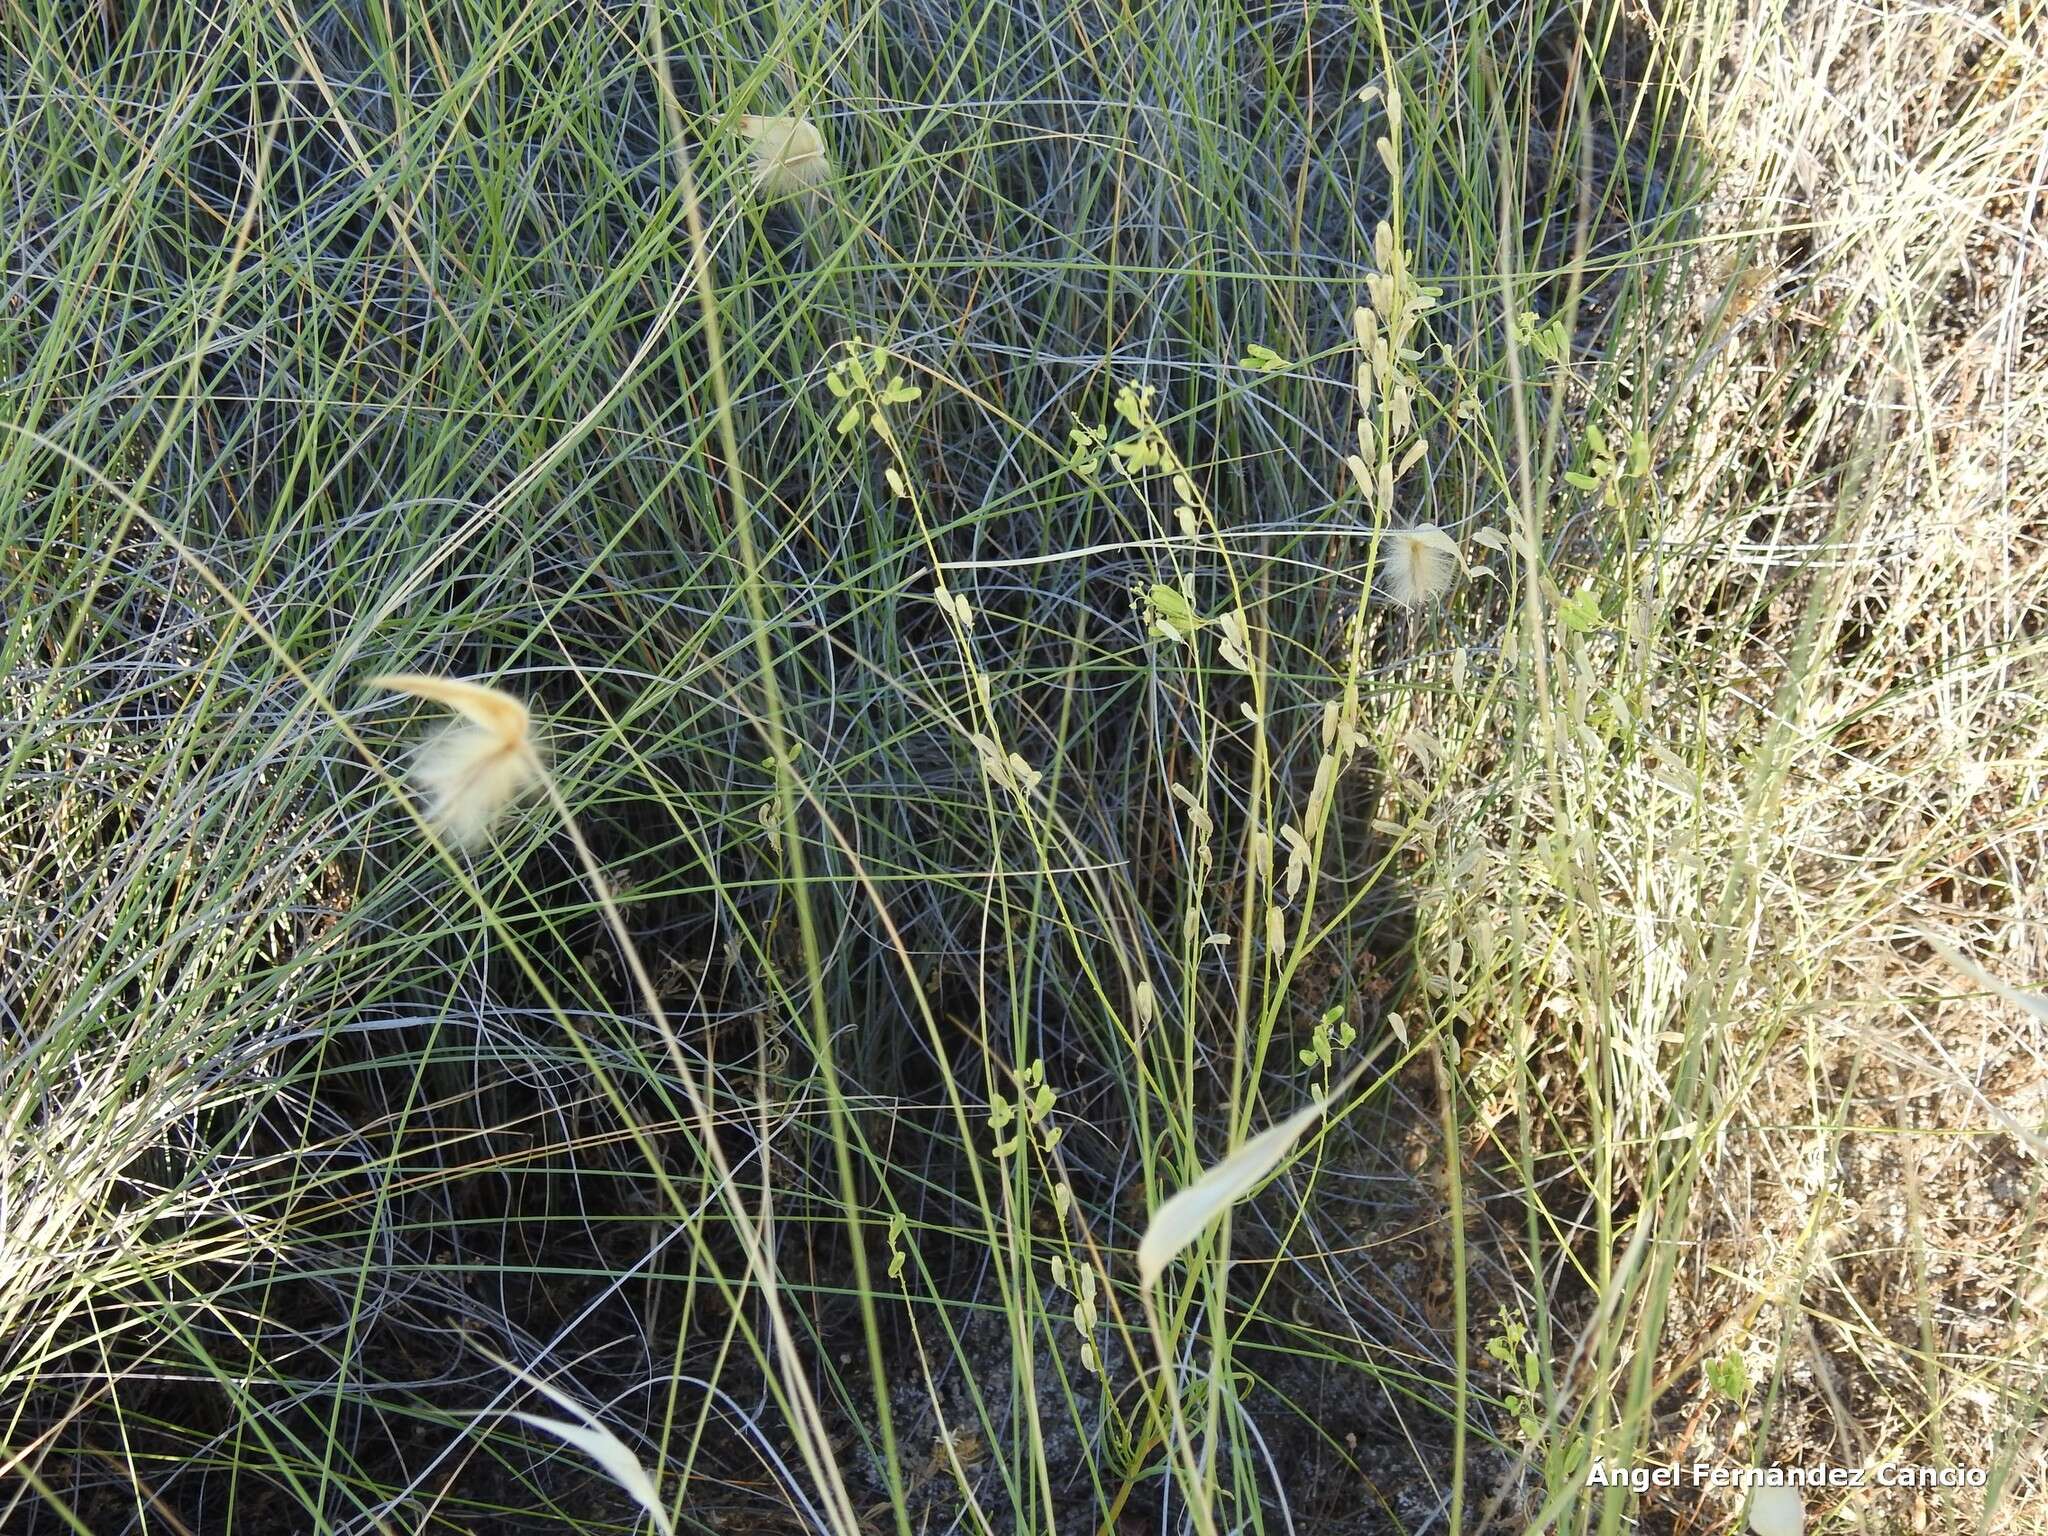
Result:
<point x="1869" y="1235"/>
<point x="1688" y="926"/>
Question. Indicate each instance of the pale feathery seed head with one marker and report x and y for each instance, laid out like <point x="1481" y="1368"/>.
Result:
<point x="1416" y="564"/>
<point x="789" y="155"/>
<point x="471" y="771"/>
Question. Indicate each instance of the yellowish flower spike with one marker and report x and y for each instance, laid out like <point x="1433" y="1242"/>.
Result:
<point x="789" y="155"/>
<point x="1416" y="564"/>
<point x="472" y="770"/>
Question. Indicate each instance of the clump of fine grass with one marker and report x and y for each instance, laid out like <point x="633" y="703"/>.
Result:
<point x="800" y="1088"/>
<point x="372" y="470"/>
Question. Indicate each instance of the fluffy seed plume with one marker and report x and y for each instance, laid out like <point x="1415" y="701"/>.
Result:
<point x="789" y="155"/>
<point x="471" y="770"/>
<point x="1416" y="564"/>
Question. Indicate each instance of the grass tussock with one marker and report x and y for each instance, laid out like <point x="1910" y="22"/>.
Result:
<point x="1293" y="770"/>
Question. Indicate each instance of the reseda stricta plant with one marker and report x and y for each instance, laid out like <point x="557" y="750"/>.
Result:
<point x="1025" y="1121"/>
<point x="1148" y="449"/>
<point x="1608" y="469"/>
<point x="1029" y="1111"/>
<point x="1169" y="613"/>
<point x="869" y="390"/>
<point x="1416" y="563"/>
<point x="862" y="379"/>
<point x="898" y="1225"/>
<point x="1333" y="1032"/>
<point x="1079" y="1281"/>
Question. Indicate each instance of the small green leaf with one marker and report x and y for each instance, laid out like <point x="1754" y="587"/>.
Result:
<point x="1729" y="1376"/>
<point x="1583" y="481"/>
<point x="1581" y="611"/>
<point x="1174" y="608"/>
<point x="1263" y="358"/>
